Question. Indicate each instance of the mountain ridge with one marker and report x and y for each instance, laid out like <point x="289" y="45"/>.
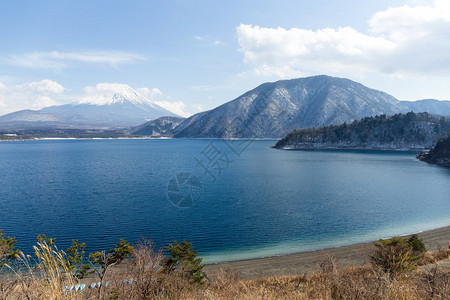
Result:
<point x="157" y="128"/>
<point x="273" y="109"/>
<point x="408" y="131"/>
<point x="117" y="106"/>
<point x="432" y="106"/>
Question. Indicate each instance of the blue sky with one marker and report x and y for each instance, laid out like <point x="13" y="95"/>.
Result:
<point x="195" y="55"/>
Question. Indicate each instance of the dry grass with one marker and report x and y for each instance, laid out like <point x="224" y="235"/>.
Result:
<point x="41" y="279"/>
<point x="435" y="256"/>
<point x="46" y="278"/>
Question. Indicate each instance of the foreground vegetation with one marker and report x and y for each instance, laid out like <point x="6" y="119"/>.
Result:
<point x="142" y="272"/>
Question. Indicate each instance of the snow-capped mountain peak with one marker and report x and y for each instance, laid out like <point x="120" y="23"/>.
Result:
<point x="110" y="93"/>
<point x="111" y="105"/>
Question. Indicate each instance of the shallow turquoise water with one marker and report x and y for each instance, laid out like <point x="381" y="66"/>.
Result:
<point x="249" y="200"/>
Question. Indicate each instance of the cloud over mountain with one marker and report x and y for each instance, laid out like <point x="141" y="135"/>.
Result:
<point x="30" y="95"/>
<point x="105" y="105"/>
<point x="39" y="94"/>
<point x="394" y="45"/>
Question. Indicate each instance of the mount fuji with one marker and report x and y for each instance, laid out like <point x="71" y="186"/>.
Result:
<point x="117" y="106"/>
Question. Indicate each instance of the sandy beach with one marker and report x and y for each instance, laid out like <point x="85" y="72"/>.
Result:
<point x="307" y="262"/>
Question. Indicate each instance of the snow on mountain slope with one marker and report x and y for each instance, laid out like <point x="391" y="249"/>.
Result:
<point x="106" y="106"/>
<point x="111" y="93"/>
<point x="273" y="109"/>
<point x="163" y="126"/>
<point x="29" y="116"/>
<point x="431" y="106"/>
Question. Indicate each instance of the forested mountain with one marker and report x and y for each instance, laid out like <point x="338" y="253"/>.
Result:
<point x="400" y="131"/>
<point x="440" y="153"/>
<point x="270" y="110"/>
<point x="160" y="127"/>
<point x="276" y="108"/>
<point x="273" y="109"/>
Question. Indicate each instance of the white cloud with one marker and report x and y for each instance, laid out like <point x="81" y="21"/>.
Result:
<point x="149" y="93"/>
<point x="59" y="60"/>
<point x="203" y="88"/>
<point x="44" y="87"/>
<point x="37" y="95"/>
<point x="208" y="41"/>
<point x="30" y="95"/>
<point x="105" y="88"/>
<point x="3" y="87"/>
<point x="155" y="94"/>
<point x="102" y="93"/>
<point x="402" y="41"/>
<point x="406" y="22"/>
<point x="177" y="107"/>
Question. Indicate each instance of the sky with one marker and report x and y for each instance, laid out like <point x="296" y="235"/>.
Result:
<point x="190" y="56"/>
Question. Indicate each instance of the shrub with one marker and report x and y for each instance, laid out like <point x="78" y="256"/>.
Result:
<point x="144" y="268"/>
<point x="397" y="254"/>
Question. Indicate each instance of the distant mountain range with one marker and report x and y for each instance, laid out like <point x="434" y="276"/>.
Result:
<point x="398" y="132"/>
<point x="274" y="109"/>
<point x="119" y="108"/>
<point x="431" y="106"/>
<point x="271" y="110"/>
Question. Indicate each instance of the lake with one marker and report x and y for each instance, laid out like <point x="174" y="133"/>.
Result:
<point x="233" y="200"/>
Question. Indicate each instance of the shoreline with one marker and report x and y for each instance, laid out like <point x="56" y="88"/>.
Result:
<point x="352" y="149"/>
<point x="85" y="138"/>
<point x="130" y="138"/>
<point x="308" y="262"/>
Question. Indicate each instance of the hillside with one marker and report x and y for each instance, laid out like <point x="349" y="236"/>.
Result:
<point x="31" y="118"/>
<point x="160" y="127"/>
<point x="273" y="109"/>
<point x="362" y="271"/>
<point x="400" y="131"/>
<point x="431" y="106"/>
<point x="440" y="153"/>
<point x="118" y="107"/>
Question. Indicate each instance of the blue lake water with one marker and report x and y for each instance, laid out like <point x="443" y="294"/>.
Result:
<point x="249" y="200"/>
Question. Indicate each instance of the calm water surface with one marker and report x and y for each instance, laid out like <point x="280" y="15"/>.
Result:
<point x="254" y="201"/>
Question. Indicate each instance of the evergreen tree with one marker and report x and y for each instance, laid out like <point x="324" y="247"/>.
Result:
<point x="75" y="260"/>
<point x="7" y="246"/>
<point x="183" y="257"/>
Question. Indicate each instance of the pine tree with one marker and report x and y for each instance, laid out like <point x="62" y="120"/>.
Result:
<point x="183" y="257"/>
